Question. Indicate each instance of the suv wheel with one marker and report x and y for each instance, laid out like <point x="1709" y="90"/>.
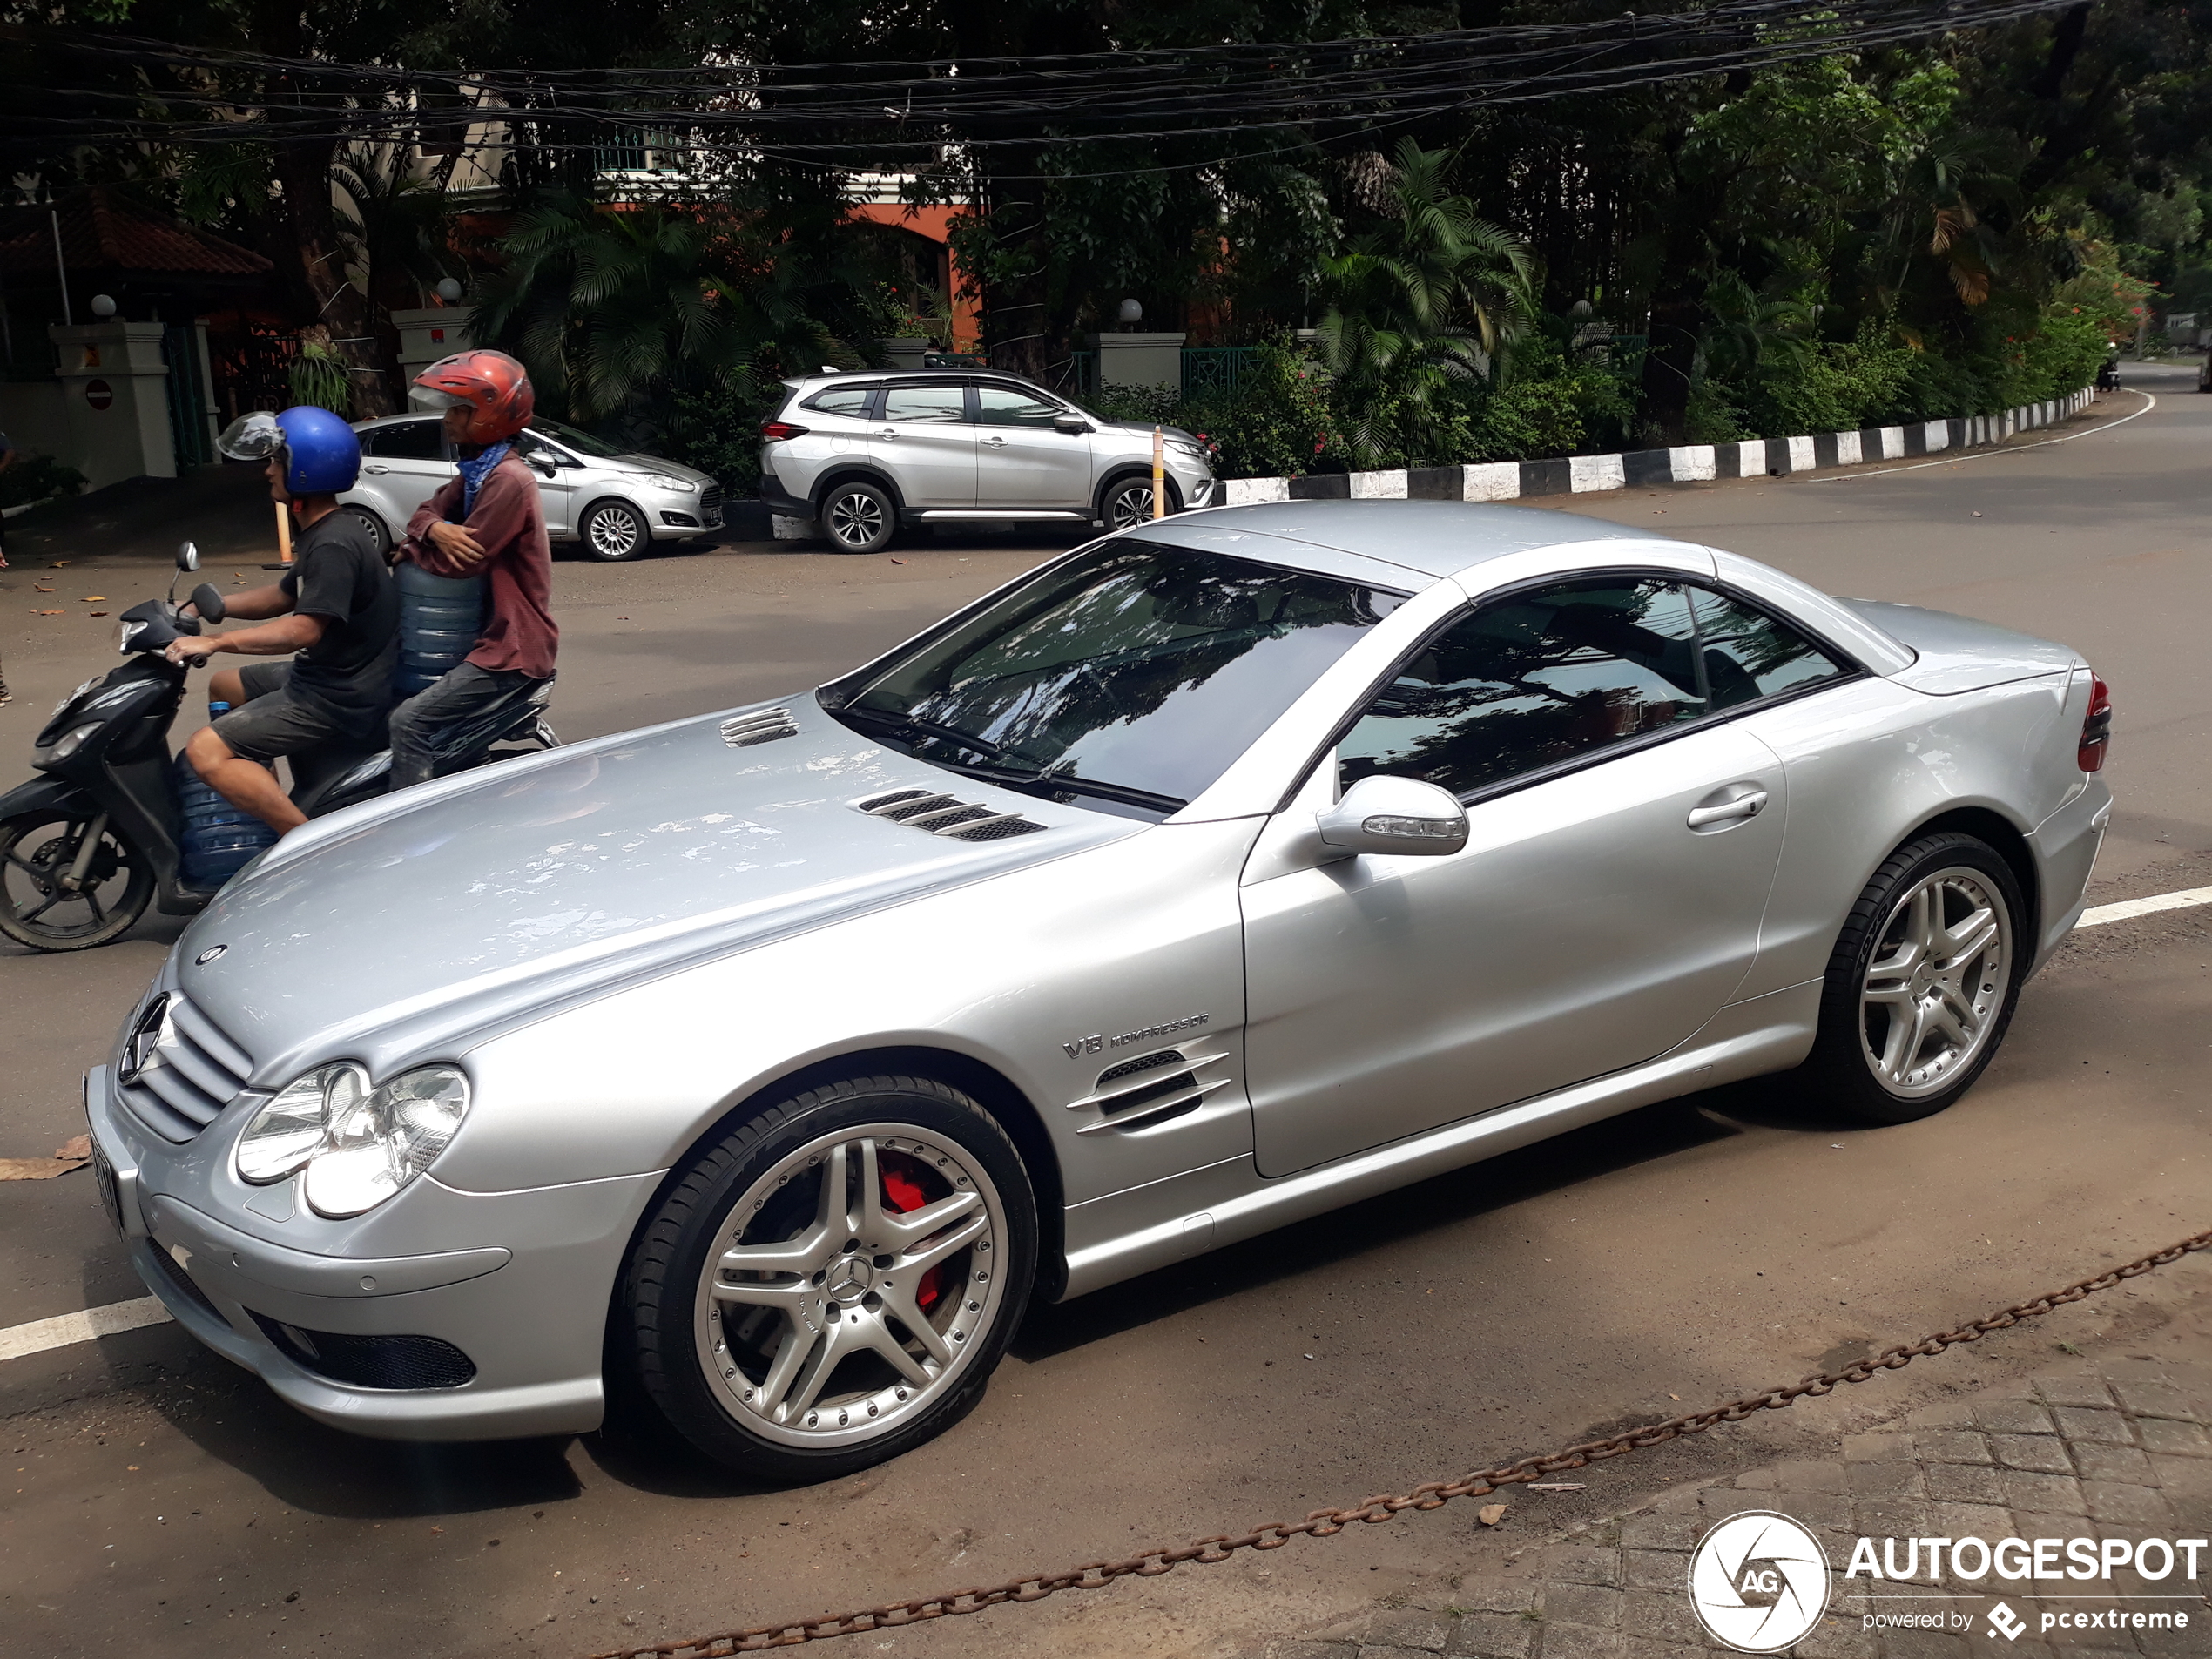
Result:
<point x="1922" y="982"/>
<point x="832" y="1283"/>
<point x="1127" y="502"/>
<point x="859" y="517"/>
<point x="613" y="532"/>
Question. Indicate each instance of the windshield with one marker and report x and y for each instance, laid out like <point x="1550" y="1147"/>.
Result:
<point x="1131" y="676"/>
<point x="582" y="442"/>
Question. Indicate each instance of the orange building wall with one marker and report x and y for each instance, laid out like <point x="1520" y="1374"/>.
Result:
<point x="936" y="224"/>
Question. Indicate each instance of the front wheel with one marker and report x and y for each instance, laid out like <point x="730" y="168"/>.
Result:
<point x="1127" y="502"/>
<point x="1922" y="982"/>
<point x="613" y="532"/>
<point x="832" y="1283"/>
<point x="48" y="902"/>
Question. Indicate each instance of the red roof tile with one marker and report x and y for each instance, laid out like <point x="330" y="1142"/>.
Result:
<point x="105" y="230"/>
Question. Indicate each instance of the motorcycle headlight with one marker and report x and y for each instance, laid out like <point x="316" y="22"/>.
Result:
<point x="358" y="1144"/>
<point x="70" y="742"/>
<point x="682" y="486"/>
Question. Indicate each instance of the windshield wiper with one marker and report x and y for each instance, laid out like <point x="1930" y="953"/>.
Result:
<point x="1068" y="782"/>
<point x="924" y="728"/>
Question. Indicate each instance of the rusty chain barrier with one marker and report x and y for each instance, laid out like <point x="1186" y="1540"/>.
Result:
<point x="1431" y="1494"/>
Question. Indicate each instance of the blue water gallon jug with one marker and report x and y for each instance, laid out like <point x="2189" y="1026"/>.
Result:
<point x="439" y="619"/>
<point x="215" y="837"/>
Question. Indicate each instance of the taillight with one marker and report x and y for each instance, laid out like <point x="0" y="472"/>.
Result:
<point x="2096" y="727"/>
<point x="774" y="431"/>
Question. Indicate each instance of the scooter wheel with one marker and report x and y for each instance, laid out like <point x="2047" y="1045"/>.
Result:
<point x="38" y="850"/>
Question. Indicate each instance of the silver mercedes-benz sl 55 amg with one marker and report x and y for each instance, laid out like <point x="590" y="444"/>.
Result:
<point x="758" y="1069"/>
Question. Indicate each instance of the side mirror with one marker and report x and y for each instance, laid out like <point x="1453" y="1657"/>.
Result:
<point x="187" y="557"/>
<point x="1402" y="816"/>
<point x="1069" y="423"/>
<point x="543" y="465"/>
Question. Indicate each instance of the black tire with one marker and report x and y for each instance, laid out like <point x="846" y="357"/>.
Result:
<point x="701" y="1371"/>
<point x="377" y="533"/>
<point x="614" y="532"/>
<point x="1845" y="1070"/>
<point x="37" y="849"/>
<point x="859" y="517"/>
<point x="1126" y="503"/>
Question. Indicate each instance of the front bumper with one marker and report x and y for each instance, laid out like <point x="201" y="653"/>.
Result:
<point x="527" y="1312"/>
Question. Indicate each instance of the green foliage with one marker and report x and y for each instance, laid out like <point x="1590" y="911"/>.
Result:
<point x="34" y="477"/>
<point x="319" y="375"/>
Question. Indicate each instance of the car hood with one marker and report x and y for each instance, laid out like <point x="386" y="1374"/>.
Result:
<point x="391" y="930"/>
<point x="654" y="463"/>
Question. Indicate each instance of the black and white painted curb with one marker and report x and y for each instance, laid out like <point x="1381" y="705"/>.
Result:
<point x="1585" y="474"/>
<point x="1690" y="464"/>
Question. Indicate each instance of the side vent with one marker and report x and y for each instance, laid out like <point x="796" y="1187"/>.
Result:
<point x="1150" y="1090"/>
<point x="762" y="726"/>
<point x="947" y="815"/>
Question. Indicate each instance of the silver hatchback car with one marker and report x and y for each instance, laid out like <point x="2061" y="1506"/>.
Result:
<point x="614" y="503"/>
<point x="765" y="1066"/>
<point x="866" y="453"/>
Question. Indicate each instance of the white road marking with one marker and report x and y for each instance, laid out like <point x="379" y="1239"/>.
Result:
<point x="2150" y="403"/>
<point x="2132" y="907"/>
<point x="64" y="1329"/>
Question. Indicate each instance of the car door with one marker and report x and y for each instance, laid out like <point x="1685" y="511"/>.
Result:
<point x="1623" y="841"/>
<point x="1022" y="459"/>
<point x="403" y="464"/>
<point x="557" y="473"/>
<point x="926" y="439"/>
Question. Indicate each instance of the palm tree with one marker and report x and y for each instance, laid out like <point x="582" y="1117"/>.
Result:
<point x="1435" y="296"/>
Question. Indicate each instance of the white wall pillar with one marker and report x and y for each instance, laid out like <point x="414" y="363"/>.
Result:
<point x="1140" y="360"/>
<point x="428" y="333"/>
<point x="115" y="401"/>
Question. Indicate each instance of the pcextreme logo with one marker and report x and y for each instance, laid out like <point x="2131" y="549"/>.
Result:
<point x="1759" y="1581"/>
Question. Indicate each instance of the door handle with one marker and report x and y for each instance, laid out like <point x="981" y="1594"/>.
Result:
<point x="1748" y="805"/>
<point x="376" y="469"/>
<point x="887" y="432"/>
<point x="1001" y="442"/>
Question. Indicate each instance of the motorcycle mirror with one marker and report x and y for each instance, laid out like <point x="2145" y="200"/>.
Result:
<point x="187" y="557"/>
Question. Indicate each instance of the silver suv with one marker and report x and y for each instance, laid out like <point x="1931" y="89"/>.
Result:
<point x="866" y="453"/>
<point x="615" y="504"/>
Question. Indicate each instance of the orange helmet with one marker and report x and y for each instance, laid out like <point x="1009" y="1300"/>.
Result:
<point x="490" y="382"/>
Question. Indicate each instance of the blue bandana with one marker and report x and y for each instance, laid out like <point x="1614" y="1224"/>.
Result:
<point x="473" y="473"/>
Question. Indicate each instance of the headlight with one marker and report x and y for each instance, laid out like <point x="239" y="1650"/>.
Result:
<point x="70" y="742"/>
<point x="681" y="486"/>
<point x="358" y="1144"/>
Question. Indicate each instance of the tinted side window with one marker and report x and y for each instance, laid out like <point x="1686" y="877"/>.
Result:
<point x="930" y="403"/>
<point x="843" y="400"/>
<point x="1533" y="680"/>
<point x="409" y="440"/>
<point x="1749" y="655"/>
<point x="1002" y="406"/>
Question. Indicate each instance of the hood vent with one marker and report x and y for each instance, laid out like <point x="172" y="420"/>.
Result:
<point x="1150" y="1090"/>
<point x="762" y="726"/>
<point x="947" y="815"/>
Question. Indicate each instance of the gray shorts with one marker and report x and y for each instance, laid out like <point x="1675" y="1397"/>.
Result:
<point x="272" y="722"/>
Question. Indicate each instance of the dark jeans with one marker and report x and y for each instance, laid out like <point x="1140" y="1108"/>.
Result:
<point x="417" y="723"/>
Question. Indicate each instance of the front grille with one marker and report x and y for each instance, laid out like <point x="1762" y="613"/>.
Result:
<point x="179" y="1069"/>
<point x="711" y="506"/>
<point x="762" y="726"/>
<point x="371" y="1362"/>
<point x="947" y="815"/>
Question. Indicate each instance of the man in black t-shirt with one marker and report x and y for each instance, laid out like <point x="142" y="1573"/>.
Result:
<point x="337" y="609"/>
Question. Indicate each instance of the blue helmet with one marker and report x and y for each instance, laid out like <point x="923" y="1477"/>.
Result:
<point x="322" y="455"/>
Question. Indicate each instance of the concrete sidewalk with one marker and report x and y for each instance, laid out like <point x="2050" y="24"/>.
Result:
<point x="2120" y="1448"/>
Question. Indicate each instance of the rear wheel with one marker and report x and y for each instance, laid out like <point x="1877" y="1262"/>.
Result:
<point x="614" y="532"/>
<point x="832" y="1283"/>
<point x="46" y="905"/>
<point x="1922" y="983"/>
<point x="858" y="517"/>
<point x="377" y="536"/>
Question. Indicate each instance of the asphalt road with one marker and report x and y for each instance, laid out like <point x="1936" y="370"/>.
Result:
<point x="1668" y="1258"/>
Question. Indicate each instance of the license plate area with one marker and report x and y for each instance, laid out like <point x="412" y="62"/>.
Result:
<point x="110" y="1194"/>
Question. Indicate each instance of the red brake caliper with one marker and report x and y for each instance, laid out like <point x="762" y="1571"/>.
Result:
<point x="902" y="1192"/>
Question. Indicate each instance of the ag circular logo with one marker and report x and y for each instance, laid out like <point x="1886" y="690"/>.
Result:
<point x="1759" y="1581"/>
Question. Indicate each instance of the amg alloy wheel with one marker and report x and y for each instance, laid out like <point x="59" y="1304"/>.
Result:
<point x="1922" y="982"/>
<point x="613" y="533"/>
<point x="859" y="518"/>
<point x="835" y="1282"/>
<point x="44" y="903"/>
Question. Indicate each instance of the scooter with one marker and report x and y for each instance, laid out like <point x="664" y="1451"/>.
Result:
<point x="86" y="846"/>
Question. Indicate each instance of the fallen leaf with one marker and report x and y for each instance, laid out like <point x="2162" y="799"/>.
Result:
<point x="49" y="613"/>
<point x="898" y="561"/>
<point x="621" y="619"/>
<point x="59" y="563"/>
<point x="35" y="588"/>
<point x="132" y="1468"/>
<point x="79" y="1148"/>
<point x="1977" y="514"/>
<point x="37" y="1168"/>
<point x="94" y="598"/>
<point x="96" y="613"/>
<point x="1491" y="1514"/>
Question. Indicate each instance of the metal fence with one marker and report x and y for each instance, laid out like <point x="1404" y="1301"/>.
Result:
<point x="187" y="397"/>
<point x="1206" y="369"/>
